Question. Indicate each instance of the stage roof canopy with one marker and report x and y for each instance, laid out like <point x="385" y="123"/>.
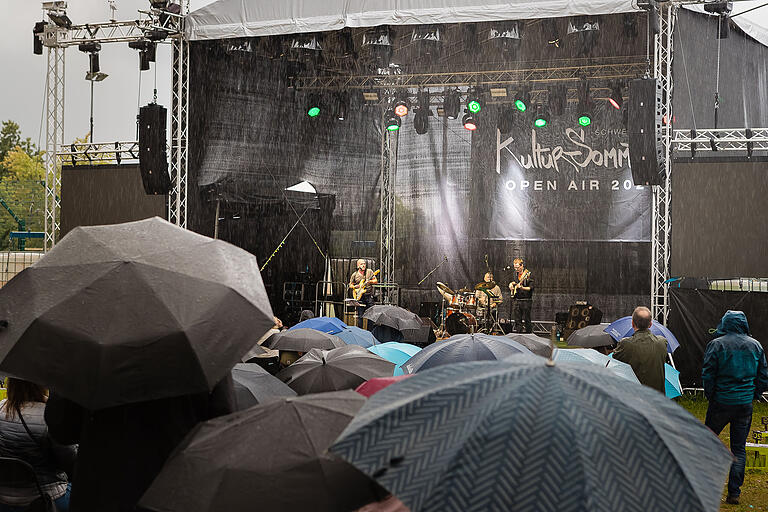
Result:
<point x="225" y="19"/>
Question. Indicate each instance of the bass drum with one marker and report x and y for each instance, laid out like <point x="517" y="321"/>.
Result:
<point x="460" y="323"/>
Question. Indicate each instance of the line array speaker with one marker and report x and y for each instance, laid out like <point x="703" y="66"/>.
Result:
<point x="646" y="151"/>
<point x="153" y="160"/>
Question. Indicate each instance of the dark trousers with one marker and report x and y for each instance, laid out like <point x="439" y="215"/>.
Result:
<point x="740" y="418"/>
<point x="366" y="301"/>
<point x="521" y="313"/>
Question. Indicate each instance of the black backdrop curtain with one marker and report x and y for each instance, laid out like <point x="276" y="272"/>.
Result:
<point x="694" y="312"/>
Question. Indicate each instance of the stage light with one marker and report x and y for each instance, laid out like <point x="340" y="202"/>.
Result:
<point x="498" y="92"/>
<point x="61" y="19"/>
<point x="616" y="98"/>
<point x="156" y="35"/>
<point x="421" y="117"/>
<point x="585" y="30"/>
<point x="427" y="39"/>
<point x="377" y="46"/>
<point x="313" y="106"/>
<point x="342" y="102"/>
<point x="147" y="50"/>
<point x="401" y="106"/>
<point x="557" y="97"/>
<point x="584" y="113"/>
<point x="97" y="76"/>
<point x="37" y="44"/>
<point x="505" y="122"/>
<point x="452" y="104"/>
<point x="306" y="45"/>
<point x="392" y="121"/>
<point x="541" y="119"/>
<point x="92" y="49"/>
<point x="469" y="122"/>
<point x="750" y="145"/>
<point x="474" y="101"/>
<point x="370" y="95"/>
<point x="523" y="99"/>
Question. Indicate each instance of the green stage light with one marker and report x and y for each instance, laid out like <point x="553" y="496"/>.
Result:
<point x="520" y="105"/>
<point x="313" y="111"/>
<point x="540" y="122"/>
<point x="393" y="121"/>
<point x="585" y="120"/>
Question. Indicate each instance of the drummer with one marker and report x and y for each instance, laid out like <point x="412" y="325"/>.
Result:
<point x="492" y="288"/>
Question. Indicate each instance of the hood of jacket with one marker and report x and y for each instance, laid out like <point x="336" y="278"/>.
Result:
<point x="733" y="322"/>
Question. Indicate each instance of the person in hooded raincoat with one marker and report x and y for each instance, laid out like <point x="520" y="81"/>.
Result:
<point x="734" y="374"/>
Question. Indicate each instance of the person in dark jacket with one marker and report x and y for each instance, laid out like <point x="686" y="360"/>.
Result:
<point x="26" y="401"/>
<point x="644" y="351"/>
<point x="734" y="374"/>
<point x="123" y="448"/>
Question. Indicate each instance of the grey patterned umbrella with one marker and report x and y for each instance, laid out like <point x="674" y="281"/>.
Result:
<point x="131" y="312"/>
<point x="590" y="336"/>
<point x="527" y="435"/>
<point x="393" y="316"/>
<point x="536" y="344"/>
<point x="463" y="347"/>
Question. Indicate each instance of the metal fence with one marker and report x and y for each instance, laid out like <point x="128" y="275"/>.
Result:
<point x="13" y="262"/>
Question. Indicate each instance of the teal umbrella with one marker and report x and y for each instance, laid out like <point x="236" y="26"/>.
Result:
<point x="589" y="356"/>
<point x="395" y="352"/>
<point x="672" y="386"/>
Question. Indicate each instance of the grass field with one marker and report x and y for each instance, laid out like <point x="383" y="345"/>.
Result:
<point x="754" y="492"/>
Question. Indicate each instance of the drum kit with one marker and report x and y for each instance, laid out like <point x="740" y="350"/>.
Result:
<point x="465" y="315"/>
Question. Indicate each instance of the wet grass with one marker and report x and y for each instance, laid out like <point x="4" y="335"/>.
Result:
<point x="754" y="492"/>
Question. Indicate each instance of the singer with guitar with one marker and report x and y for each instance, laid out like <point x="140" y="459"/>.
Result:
<point x="361" y="282"/>
<point x="522" y="296"/>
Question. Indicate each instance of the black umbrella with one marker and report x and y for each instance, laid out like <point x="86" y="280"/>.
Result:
<point x="462" y="348"/>
<point x="590" y="336"/>
<point x="132" y="312"/>
<point x="254" y="385"/>
<point x="271" y="457"/>
<point x="304" y="340"/>
<point x="537" y="345"/>
<point x="331" y="370"/>
<point x="393" y="316"/>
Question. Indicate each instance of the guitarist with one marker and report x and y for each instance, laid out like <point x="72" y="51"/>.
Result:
<point x="362" y="279"/>
<point x="522" y="296"/>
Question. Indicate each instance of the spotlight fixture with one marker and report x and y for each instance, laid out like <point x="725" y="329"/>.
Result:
<point x="427" y="39"/>
<point x="421" y="118"/>
<point x="97" y="76"/>
<point x="474" y="101"/>
<point x="37" y="43"/>
<point x="342" y="102"/>
<point x="313" y="106"/>
<point x="156" y="35"/>
<point x="469" y="122"/>
<point x="541" y="119"/>
<point x="401" y="106"/>
<point x="392" y="121"/>
<point x="61" y="19"/>
<point x="498" y="92"/>
<point x="616" y="98"/>
<point x="370" y="95"/>
<point x="452" y="104"/>
<point x="92" y="48"/>
<point x="557" y="97"/>
<point x="523" y="99"/>
<point x="584" y="114"/>
<point x="585" y="30"/>
<point x="377" y="46"/>
<point x="748" y="134"/>
<point x="147" y="52"/>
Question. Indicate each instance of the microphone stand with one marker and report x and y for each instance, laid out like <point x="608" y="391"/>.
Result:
<point x="445" y="258"/>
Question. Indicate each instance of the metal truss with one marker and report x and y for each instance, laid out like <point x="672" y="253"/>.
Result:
<point x="54" y="138"/>
<point x="502" y="77"/>
<point x="149" y="26"/>
<point x="660" y="229"/>
<point x="177" y="200"/>
<point x="743" y="140"/>
<point x="387" y="243"/>
<point x="99" y="152"/>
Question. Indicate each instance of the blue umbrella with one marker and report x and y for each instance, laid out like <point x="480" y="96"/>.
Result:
<point x="464" y="347"/>
<point x="589" y="356"/>
<point x="622" y="328"/>
<point x="486" y="436"/>
<point x="672" y="386"/>
<point x="327" y="324"/>
<point x="354" y="335"/>
<point x="394" y="352"/>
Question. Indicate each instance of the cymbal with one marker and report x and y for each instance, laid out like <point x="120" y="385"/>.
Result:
<point x="485" y="286"/>
<point x="444" y="288"/>
<point x="465" y="290"/>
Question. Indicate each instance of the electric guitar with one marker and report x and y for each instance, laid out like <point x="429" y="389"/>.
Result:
<point x="513" y="286"/>
<point x="357" y="293"/>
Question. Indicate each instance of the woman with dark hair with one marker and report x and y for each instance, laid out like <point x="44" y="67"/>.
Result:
<point x="24" y="435"/>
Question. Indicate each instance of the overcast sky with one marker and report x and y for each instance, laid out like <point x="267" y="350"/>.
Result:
<point x="22" y="86"/>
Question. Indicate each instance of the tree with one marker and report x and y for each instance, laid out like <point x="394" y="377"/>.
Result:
<point x="23" y="192"/>
<point x="10" y="138"/>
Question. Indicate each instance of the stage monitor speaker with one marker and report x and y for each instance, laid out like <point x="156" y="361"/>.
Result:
<point x="646" y="151"/>
<point x="423" y="336"/>
<point x="581" y="315"/>
<point x="153" y="160"/>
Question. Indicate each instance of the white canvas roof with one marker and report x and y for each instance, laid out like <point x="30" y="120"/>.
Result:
<point x="248" y="18"/>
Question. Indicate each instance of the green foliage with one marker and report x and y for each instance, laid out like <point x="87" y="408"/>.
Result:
<point x="10" y="138"/>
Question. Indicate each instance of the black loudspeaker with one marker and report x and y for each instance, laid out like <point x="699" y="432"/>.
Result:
<point x="646" y="151"/>
<point x="153" y="160"/>
<point x="581" y="315"/>
<point x="423" y="336"/>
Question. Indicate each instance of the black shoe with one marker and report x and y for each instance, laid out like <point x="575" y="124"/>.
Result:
<point x="732" y="500"/>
